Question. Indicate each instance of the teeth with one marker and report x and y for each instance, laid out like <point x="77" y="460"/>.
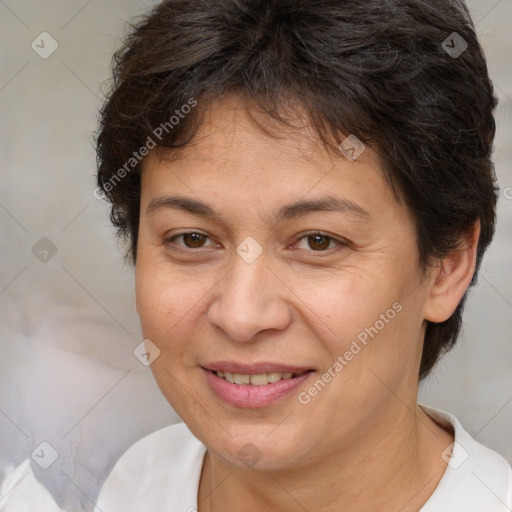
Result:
<point x="274" y="376"/>
<point x="256" y="380"/>
<point x="241" y="379"/>
<point x="259" y="380"/>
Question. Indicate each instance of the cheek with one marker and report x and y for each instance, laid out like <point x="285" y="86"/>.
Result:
<point x="167" y="302"/>
<point x="345" y="305"/>
<point x="365" y="319"/>
<point x="155" y="299"/>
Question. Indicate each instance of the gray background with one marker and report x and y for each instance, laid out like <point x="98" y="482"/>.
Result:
<point x="68" y="326"/>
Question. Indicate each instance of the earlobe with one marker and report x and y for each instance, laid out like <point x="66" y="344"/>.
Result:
<point x="451" y="278"/>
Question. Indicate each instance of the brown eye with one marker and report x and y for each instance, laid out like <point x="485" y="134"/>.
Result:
<point x="194" y="240"/>
<point x="319" y="242"/>
<point x="191" y="240"/>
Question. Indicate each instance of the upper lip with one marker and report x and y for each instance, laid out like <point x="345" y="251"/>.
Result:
<point x="253" y="368"/>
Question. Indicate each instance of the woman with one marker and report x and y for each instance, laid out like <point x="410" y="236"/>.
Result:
<point x="307" y="193"/>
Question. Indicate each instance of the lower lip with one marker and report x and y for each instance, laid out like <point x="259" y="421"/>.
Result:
<point x="249" y="396"/>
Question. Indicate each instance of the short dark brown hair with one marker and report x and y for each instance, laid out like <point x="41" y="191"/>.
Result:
<point x="395" y="73"/>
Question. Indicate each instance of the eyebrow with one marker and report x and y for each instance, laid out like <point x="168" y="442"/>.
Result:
<point x="293" y="210"/>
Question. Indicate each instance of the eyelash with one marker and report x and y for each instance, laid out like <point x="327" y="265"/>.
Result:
<point x="339" y="243"/>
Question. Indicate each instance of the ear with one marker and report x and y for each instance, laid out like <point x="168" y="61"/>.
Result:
<point x="451" y="278"/>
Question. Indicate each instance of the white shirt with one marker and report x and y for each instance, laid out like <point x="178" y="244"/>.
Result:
<point x="20" y="491"/>
<point x="162" y="472"/>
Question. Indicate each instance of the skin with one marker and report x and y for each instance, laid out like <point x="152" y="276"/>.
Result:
<point x="362" y="443"/>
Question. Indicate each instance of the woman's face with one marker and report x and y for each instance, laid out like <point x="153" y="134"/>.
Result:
<point x="272" y="283"/>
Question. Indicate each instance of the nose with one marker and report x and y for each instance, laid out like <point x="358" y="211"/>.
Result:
<point x="250" y="299"/>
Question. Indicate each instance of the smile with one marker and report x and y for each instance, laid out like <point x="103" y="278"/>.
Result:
<point x="259" y="379"/>
<point x="251" y="390"/>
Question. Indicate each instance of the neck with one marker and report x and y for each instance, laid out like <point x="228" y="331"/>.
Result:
<point x="393" y="465"/>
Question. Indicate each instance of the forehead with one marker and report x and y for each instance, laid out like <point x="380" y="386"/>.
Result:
<point x="230" y="124"/>
<point x="234" y="154"/>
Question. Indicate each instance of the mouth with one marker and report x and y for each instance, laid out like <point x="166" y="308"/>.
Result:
<point x="259" y="379"/>
<point x="250" y="386"/>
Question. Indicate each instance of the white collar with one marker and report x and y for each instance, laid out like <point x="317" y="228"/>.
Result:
<point x="476" y="479"/>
